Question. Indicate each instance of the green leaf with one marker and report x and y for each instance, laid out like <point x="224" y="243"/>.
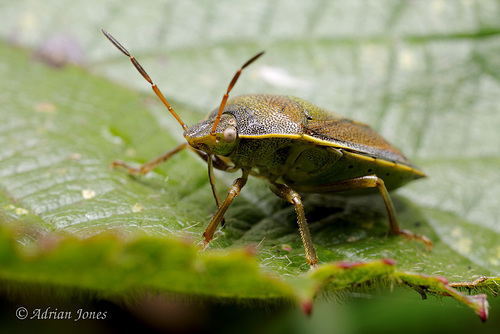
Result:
<point x="425" y="76"/>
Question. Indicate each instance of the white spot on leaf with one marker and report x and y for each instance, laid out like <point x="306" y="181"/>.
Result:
<point x="88" y="193"/>
<point x="407" y="60"/>
<point x="137" y="207"/>
<point x="464" y="245"/>
<point x="21" y="211"/>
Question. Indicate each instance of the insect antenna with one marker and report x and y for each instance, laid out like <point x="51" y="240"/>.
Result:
<point x="146" y="76"/>
<point x="226" y="95"/>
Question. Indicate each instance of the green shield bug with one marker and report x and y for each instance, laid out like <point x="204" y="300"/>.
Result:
<point x="297" y="146"/>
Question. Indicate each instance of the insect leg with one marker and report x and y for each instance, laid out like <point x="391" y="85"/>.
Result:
<point x="393" y="222"/>
<point x="150" y="165"/>
<point x="233" y="191"/>
<point x="371" y="181"/>
<point x="219" y="163"/>
<point x="211" y="179"/>
<point x="293" y="197"/>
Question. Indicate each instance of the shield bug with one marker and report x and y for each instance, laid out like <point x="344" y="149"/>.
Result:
<point x="297" y="146"/>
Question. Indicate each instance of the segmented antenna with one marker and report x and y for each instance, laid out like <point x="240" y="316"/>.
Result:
<point x="226" y="95"/>
<point x="146" y="76"/>
<point x="162" y="97"/>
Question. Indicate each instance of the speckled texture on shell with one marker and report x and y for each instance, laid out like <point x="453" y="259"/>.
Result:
<point x="287" y="139"/>
<point x="266" y="115"/>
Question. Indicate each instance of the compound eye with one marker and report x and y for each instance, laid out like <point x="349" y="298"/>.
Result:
<point x="230" y="134"/>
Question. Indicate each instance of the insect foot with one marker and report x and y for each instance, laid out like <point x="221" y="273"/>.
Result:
<point x="203" y="244"/>
<point x="410" y="235"/>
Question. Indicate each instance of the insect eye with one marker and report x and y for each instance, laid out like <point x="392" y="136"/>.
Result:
<point x="230" y="134"/>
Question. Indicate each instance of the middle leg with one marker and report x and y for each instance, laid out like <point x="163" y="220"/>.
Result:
<point x="293" y="197"/>
<point x="370" y="181"/>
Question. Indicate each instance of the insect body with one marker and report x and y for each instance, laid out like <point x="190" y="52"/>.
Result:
<point x="296" y="146"/>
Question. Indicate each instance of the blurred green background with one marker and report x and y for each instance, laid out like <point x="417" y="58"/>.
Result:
<point x="370" y="58"/>
<point x="385" y="312"/>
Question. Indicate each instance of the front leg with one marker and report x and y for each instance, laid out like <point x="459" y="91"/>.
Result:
<point x="212" y="161"/>
<point x="233" y="191"/>
<point x="150" y="165"/>
<point x="218" y="162"/>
